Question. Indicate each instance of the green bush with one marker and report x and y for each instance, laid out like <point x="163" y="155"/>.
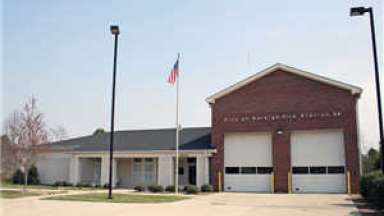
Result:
<point x="139" y="188"/>
<point x="170" y="188"/>
<point x="155" y="188"/>
<point x="106" y="186"/>
<point x="18" y="177"/>
<point x="372" y="188"/>
<point x="33" y="176"/>
<point x="206" y="188"/>
<point x="67" y="184"/>
<point x="191" y="189"/>
<point x="58" y="184"/>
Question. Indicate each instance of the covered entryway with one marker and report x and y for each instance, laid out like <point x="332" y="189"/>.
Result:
<point x="247" y="161"/>
<point x="133" y="172"/>
<point x="90" y="171"/>
<point x="318" y="161"/>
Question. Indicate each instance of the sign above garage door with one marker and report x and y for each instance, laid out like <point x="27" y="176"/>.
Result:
<point x="278" y="116"/>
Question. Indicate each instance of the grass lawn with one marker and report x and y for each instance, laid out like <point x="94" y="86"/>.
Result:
<point x="11" y="194"/>
<point x="10" y="185"/>
<point x="119" y="198"/>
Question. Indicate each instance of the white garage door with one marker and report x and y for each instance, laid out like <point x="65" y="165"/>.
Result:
<point x="318" y="161"/>
<point x="248" y="162"/>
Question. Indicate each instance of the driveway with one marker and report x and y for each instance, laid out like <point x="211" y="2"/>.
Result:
<point x="221" y="204"/>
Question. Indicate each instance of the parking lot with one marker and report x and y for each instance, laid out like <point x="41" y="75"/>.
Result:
<point x="223" y="204"/>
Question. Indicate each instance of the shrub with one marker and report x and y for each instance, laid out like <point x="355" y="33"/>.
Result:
<point x="170" y="188"/>
<point x="206" y="188"/>
<point x="139" y="188"/>
<point x="79" y="184"/>
<point x="372" y="188"/>
<point x="58" y="184"/>
<point x="67" y="184"/>
<point x="87" y="185"/>
<point x="33" y="176"/>
<point x="155" y="188"/>
<point x="18" y="177"/>
<point x="191" y="189"/>
<point x="106" y="186"/>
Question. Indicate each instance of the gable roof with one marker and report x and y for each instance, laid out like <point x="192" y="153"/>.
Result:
<point x="278" y="66"/>
<point x="198" y="138"/>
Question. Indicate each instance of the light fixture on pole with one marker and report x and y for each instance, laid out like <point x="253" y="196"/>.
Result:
<point x="359" y="11"/>
<point x="115" y="31"/>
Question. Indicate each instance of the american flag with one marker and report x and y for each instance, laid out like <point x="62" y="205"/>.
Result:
<point x="174" y="73"/>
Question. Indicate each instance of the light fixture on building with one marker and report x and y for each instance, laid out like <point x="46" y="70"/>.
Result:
<point x="279" y="131"/>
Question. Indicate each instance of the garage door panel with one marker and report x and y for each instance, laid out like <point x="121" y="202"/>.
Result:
<point x="317" y="183"/>
<point x="314" y="148"/>
<point x="256" y="183"/>
<point x="246" y="157"/>
<point x="320" y="157"/>
<point x="247" y="149"/>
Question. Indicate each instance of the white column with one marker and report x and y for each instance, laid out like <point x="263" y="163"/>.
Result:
<point x="104" y="170"/>
<point x="104" y="179"/>
<point x="165" y="170"/>
<point x="201" y="168"/>
<point x="114" y="173"/>
<point x="206" y="170"/>
<point x="74" y="171"/>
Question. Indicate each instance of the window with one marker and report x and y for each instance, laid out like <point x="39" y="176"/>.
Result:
<point x="232" y="170"/>
<point x="335" y="169"/>
<point x="264" y="170"/>
<point x="144" y="170"/>
<point x="248" y="170"/>
<point x="300" y="170"/>
<point x="317" y="170"/>
<point x="181" y="170"/>
<point x="191" y="160"/>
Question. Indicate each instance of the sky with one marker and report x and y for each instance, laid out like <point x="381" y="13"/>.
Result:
<point x="61" y="52"/>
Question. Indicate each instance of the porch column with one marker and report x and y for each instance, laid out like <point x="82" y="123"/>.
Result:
<point x="114" y="173"/>
<point x="202" y="170"/>
<point x="165" y="170"/>
<point x="104" y="178"/>
<point x="74" y="170"/>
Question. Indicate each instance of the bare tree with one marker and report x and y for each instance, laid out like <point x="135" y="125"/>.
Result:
<point x="8" y="164"/>
<point x="57" y="134"/>
<point x="26" y="130"/>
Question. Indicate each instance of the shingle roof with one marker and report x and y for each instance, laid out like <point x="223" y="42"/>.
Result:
<point x="141" y="140"/>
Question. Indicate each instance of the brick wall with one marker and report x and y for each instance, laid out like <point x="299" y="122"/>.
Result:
<point x="283" y="92"/>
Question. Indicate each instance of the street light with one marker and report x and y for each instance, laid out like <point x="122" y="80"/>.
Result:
<point x="359" y="11"/>
<point x="115" y="31"/>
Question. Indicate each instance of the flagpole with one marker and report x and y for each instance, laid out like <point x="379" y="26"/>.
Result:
<point x="177" y="129"/>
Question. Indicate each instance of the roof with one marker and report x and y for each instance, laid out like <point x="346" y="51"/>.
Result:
<point x="353" y="89"/>
<point x="198" y="138"/>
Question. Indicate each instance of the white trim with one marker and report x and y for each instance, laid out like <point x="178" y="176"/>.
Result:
<point x="129" y="154"/>
<point x="354" y="89"/>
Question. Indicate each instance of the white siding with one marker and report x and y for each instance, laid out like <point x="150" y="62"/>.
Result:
<point x="53" y="167"/>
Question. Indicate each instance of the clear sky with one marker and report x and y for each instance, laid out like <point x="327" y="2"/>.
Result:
<point x="61" y="52"/>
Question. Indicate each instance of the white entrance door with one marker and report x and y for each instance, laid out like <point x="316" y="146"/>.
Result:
<point x="318" y="161"/>
<point x="247" y="162"/>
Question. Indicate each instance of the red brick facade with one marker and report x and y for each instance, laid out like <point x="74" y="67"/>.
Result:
<point x="284" y="92"/>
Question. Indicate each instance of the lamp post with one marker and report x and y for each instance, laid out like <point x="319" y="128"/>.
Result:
<point x="115" y="31"/>
<point x="359" y="11"/>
